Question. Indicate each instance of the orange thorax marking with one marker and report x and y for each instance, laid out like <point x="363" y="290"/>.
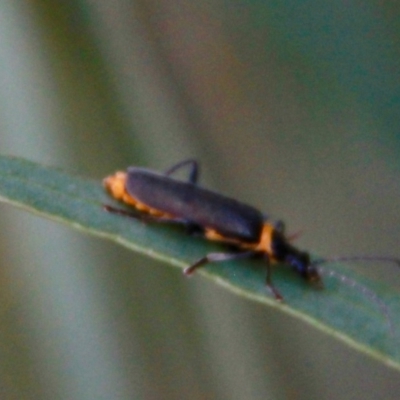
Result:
<point x="264" y="245"/>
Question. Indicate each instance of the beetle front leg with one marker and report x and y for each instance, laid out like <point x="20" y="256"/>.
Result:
<point x="217" y="257"/>
<point x="275" y="292"/>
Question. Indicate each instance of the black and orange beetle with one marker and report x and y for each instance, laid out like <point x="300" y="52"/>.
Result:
<point x="248" y="231"/>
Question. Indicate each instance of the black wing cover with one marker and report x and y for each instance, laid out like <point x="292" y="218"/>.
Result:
<point x="195" y="204"/>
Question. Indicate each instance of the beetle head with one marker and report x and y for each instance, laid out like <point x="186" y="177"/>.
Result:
<point x="300" y="262"/>
<point x="297" y="259"/>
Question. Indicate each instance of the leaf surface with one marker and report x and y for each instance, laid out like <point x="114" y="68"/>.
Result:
<point x="340" y="310"/>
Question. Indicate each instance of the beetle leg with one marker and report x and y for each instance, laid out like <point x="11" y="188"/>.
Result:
<point x="216" y="257"/>
<point x="269" y="284"/>
<point x="193" y="172"/>
<point x="120" y="211"/>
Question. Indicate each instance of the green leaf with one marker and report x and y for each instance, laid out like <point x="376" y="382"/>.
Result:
<point x="340" y="310"/>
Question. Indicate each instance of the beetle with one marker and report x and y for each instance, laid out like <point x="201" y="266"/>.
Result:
<point x="160" y="197"/>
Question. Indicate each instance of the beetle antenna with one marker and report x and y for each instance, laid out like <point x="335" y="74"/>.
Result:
<point x="354" y="284"/>
<point x="392" y="260"/>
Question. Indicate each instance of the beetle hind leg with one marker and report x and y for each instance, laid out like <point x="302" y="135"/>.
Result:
<point x="193" y="171"/>
<point x="120" y="211"/>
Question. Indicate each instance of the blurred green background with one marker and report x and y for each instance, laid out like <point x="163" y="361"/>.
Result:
<point x="291" y="106"/>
